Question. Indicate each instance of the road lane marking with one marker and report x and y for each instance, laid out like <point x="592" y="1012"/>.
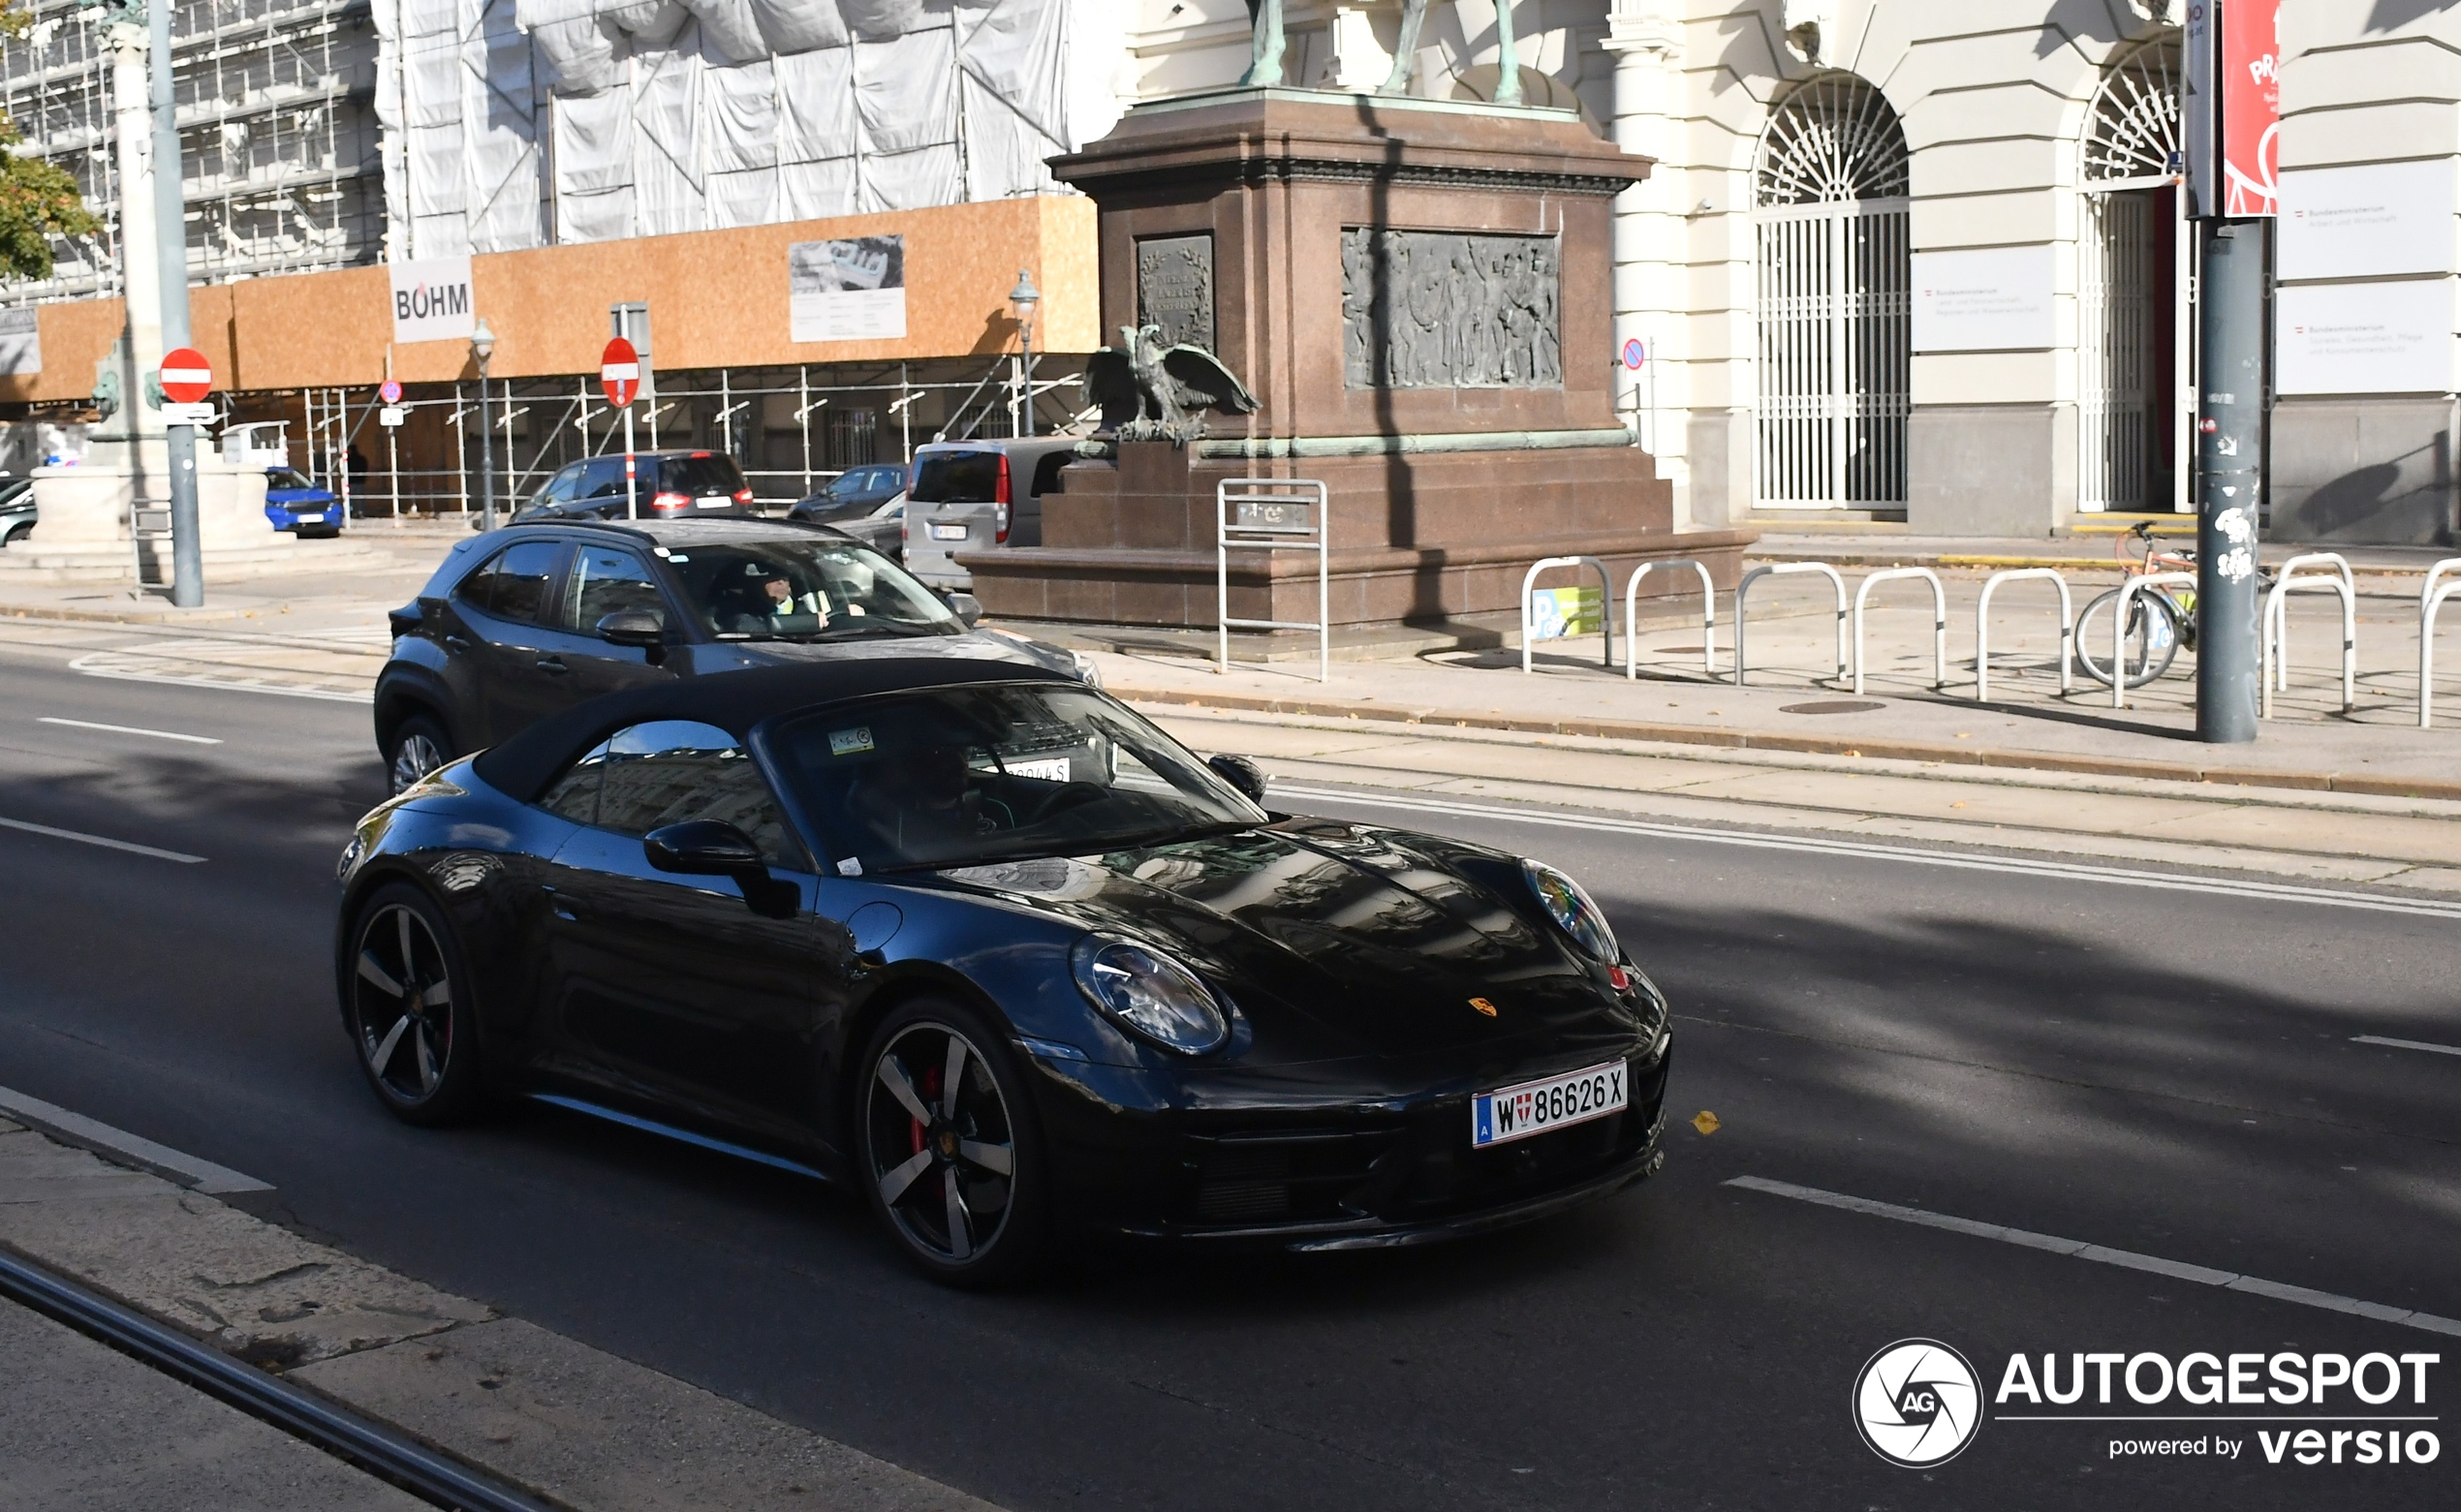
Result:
<point x="2403" y="1044"/>
<point x="104" y="840"/>
<point x="130" y="730"/>
<point x="2077" y="1248"/>
<point x="186" y="1169"/>
<point x="1914" y="856"/>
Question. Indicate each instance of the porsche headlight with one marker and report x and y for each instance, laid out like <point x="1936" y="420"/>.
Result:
<point x="1572" y="910"/>
<point x="1151" y="994"/>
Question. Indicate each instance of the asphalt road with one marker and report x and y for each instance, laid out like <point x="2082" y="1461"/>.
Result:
<point x="2167" y="1073"/>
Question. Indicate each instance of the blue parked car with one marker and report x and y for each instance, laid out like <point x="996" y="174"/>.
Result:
<point x="292" y="503"/>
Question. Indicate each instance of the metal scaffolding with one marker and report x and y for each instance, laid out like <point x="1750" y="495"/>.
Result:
<point x="278" y="135"/>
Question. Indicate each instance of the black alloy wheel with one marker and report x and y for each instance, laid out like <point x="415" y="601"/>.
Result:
<point x="419" y="746"/>
<point x="406" y="998"/>
<point x="952" y="1165"/>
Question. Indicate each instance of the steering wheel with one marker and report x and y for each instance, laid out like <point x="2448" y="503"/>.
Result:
<point x="1066" y="796"/>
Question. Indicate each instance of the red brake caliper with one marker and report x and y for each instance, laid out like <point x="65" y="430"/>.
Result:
<point x="931" y="1095"/>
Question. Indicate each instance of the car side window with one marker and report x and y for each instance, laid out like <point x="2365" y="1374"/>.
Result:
<point x="514" y="585"/>
<point x="603" y="478"/>
<point x="558" y="488"/>
<point x="667" y="771"/>
<point x="575" y="794"/>
<point x="608" y="581"/>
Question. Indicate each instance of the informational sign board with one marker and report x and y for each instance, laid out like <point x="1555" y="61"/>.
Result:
<point x="186" y="377"/>
<point x="853" y="289"/>
<point x="2364" y="338"/>
<point x="1984" y="300"/>
<point x="391" y="418"/>
<point x="176" y="412"/>
<point x="619" y="372"/>
<point x="390" y="391"/>
<point x="432" y="299"/>
<point x="20" y="342"/>
<point x="2367" y="221"/>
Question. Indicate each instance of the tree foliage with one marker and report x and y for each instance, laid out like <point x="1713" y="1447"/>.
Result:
<point x="38" y="199"/>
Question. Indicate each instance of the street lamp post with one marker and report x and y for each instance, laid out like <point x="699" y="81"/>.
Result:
<point x="482" y="346"/>
<point x="1024" y="298"/>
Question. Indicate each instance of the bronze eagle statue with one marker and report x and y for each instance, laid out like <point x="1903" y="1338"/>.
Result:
<point x="1152" y="392"/>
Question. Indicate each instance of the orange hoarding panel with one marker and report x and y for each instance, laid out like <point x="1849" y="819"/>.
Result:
<point x="717" y="300"/>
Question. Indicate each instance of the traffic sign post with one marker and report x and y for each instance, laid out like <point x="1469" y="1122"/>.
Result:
<point x="186" y="378"/>
<point x="620" y="374"/>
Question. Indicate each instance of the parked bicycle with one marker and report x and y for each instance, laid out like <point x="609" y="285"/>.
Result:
<point x="2161" y="620"/>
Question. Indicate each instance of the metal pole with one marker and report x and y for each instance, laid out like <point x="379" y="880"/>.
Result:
<point x="632" y="492"/>
<point x="170" y="242"/>
<point x="1025" y="339"/>
<point x="486" y="457"/>
<point x="393" y="468"/>
<point x="2229" y="463"/>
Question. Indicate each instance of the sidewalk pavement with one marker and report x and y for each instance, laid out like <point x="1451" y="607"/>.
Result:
<point x="581" y="1428"/>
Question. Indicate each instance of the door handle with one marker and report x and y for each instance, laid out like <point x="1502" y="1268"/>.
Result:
<point x="458" y="642"/>
<point x="565" y="907"/>
<point x="552" y="664"/>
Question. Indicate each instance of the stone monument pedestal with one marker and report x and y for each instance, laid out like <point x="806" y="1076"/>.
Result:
<point x="83" y="534"/>
<point x="1418" y="293"/>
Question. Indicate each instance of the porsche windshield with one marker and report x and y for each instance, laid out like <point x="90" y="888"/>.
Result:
<point x="806" y="589"/>
<point x="958" y="776"/>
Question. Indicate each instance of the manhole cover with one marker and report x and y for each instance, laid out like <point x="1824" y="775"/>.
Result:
<point x="1833" y="707"/>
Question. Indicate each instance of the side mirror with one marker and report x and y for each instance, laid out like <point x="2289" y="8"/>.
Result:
<point x="1241" y="773"/>
<point x="632" y="628"/>
<point x="709" y="848"/>
<point x="969" y="608"/>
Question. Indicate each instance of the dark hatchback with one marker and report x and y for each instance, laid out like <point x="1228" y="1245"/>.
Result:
<point x="532" y="619"/>
<point x="989" y="950"/>
<point x="664" y="485"/>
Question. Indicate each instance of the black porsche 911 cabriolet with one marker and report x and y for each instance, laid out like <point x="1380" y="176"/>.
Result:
<point x="984" y="945"/>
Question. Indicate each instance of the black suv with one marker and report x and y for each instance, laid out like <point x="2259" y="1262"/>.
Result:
<point x="526" y="620"/>
<point x="664" y="485"/>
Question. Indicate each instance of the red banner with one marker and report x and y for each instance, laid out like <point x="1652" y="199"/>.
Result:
<point x="2251" y="107"/>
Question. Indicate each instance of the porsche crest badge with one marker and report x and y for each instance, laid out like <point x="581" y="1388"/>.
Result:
<point x="1483" y="1007"/>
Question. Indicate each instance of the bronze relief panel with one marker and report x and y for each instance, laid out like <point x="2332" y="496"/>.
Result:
<point x="1174" y="288"/>
<point x="1451" y="310"/>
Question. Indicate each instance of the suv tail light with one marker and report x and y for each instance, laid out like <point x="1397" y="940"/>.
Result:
<point x="1000" y="498"/>
<point x="669" y="501"/>
<point x="744" y="495"/>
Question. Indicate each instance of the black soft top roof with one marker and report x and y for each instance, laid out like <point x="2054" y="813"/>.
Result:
<point x="522" y="767"/>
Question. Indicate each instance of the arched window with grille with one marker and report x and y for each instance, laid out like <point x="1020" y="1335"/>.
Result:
<point x="1831" y="240"/>
<point x="2135" y="320"/>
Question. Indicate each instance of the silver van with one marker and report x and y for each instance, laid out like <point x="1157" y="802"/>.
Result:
<point x="978" y="496"/>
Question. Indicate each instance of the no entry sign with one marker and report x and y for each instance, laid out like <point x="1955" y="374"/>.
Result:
<point x="186" y="379"/>
<point x="619" y="372"/>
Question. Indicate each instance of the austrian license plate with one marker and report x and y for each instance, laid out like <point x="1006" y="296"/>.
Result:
<point x="1558" y="1102"/>
<point x="948" y="533"/>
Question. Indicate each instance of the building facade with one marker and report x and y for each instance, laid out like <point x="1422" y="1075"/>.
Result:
<point x="1917" y="260"/>
<point x="1923" y="260"/>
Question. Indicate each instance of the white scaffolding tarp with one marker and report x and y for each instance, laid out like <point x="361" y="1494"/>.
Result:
<point x="521" y="123"/>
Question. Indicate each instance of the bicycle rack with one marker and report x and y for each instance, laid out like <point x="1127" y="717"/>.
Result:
<point x="1708" y="617"/>
<point x="1982" y="628"/>
<point x="1265" y="522"/>
<point x="2274" y="624"/>
<point x="2119" y="626"/>
<point x="1781" y="570"/>
<point x="1606" y="603"/>
<point x="2430" y="599"/>
<point x="1939" y="620"/>
<point x="2274" y="654"/>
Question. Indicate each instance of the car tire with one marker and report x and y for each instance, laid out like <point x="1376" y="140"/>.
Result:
<point x="417" y="747"/>
<point x="406" y="1000"/>
<point x="22" y="533"/>
<point x="935" y="1183"/>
